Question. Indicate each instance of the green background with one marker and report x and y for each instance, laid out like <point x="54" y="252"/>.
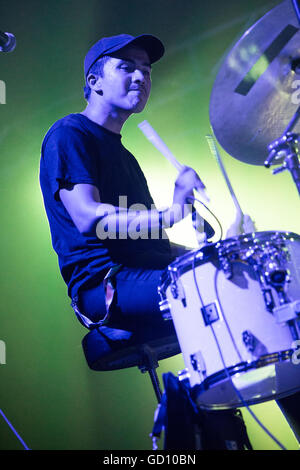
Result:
<point x="46" y="388"/>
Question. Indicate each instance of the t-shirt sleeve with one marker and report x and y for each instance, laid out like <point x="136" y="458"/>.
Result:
<point x="69" y="158"/>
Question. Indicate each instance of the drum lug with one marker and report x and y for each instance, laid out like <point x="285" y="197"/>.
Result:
<point x="165" y="308"/>
<point x="253" y="344"/>
<point x="184" y="375"/>
<point x="268" y="299"/>
<point x="224" y="261"/>
<point x="198" y="364"/>
<point x="176" y="286"/>
<point x="287" y="312"/>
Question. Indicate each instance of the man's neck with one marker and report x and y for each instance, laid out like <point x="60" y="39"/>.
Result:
<point x="111" y="120"/>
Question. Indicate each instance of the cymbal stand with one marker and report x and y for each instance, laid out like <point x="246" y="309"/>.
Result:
<point x="286" y="147"/>
<point x="296" y="6"/>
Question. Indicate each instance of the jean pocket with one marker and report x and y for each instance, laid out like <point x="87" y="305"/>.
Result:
<point x="90" y="306"/>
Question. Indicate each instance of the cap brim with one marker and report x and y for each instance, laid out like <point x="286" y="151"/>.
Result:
<point x="151" y="44"/>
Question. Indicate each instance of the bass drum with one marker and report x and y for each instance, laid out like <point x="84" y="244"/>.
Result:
<point x="235" y="307"/>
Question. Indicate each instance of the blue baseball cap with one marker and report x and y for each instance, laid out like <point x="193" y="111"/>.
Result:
<point x="106" y="46"/>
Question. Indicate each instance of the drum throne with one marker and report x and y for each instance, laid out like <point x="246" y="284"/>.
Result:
<point x="107" y="349"/>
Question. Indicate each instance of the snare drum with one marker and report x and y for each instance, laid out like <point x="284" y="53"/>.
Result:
<point x="236" y="310"/>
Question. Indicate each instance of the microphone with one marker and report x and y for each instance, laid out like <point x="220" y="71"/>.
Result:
<point x="202" y="228"/>
<point x="7" y="42"/>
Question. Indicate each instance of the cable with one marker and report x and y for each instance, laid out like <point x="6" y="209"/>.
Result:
<point x="238" y="393"/>
<point x="224" y="317"/>
<point x="296" y="9"/>
<point x="214" y="216"/>
<point x="14" y="431"/>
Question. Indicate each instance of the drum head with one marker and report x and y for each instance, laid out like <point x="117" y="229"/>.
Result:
<point x="238" y="388"/>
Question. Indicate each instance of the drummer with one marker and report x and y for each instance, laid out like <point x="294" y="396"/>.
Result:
<point x="110" y="256"/>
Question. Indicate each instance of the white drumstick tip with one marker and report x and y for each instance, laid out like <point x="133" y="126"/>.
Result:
<point x="156" y="140"/>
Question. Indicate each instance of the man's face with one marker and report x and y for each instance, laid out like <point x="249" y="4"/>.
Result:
<point x="126" y="81"/>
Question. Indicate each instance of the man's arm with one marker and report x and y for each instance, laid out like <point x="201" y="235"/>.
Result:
<point x="82" y="203"/>
<point x="86" y="210"/>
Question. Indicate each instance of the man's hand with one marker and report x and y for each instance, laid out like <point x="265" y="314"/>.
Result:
<point x="186" y="182"/>
<point x="242" y="224"/>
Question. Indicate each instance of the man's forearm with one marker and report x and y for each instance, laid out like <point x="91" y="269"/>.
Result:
<point x="118" y="222"/>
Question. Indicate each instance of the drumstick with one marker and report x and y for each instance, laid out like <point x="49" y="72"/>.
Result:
<point x="214" y="150"/>
<point x="247" y="224"/>
<point x="155" y="139"/>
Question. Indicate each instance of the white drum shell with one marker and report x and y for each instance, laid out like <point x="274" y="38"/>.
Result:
<point x="241" y="310"/>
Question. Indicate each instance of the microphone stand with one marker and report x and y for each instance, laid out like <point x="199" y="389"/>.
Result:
<point x="7" y="42"/>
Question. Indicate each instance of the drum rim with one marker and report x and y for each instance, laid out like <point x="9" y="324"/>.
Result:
<point x="242" y="367"/>
<point x="184" y="263"/>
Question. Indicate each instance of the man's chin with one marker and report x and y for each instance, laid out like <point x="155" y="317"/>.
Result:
<point x="134" y="108"/>
<point x="138" y="108"/>
<point x="137" y="105"/>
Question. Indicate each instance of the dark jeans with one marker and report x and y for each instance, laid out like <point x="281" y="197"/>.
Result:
<point x="135" y="306"/>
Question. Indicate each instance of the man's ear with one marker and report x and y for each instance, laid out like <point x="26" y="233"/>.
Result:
<point x="94" y="82"/>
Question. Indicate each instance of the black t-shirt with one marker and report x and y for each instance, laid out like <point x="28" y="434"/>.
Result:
<point x="77" y="150"/>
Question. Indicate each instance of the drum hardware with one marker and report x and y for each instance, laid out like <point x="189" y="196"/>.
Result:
<point x="165" y="308"/>
<point x="267" y="259"/>
<point x="225" y="264"/>
<point x="282" y="147"/>
<point x="237" y="369"/>
<point x="210" y="313"/>
<point x="288" y="311"/>
<point x="268" y="298"/>
<point x="275" y="275"/>
<point x="270" y="274"/>
<point x="177" y="287"/>
<point x="198" y="364"/>
<point x="288" y="146"/>
<point x="293" y="329"/>
<point x="253" y="344"/>
<point x="183" y="375"/>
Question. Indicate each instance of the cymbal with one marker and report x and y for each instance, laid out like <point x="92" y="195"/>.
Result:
<point x="257" y="88"/>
